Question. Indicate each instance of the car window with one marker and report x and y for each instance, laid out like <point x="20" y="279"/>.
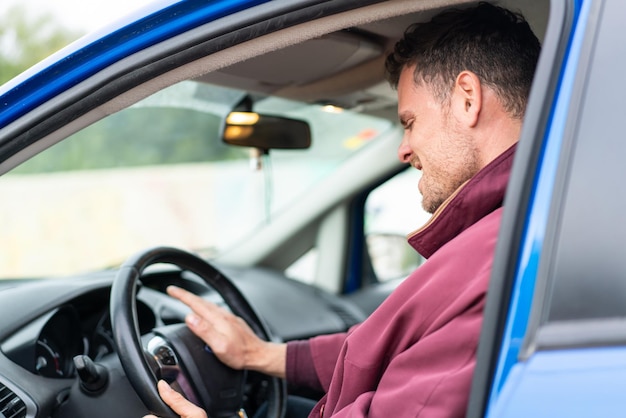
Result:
<point x="392" y="211"/>
<point x="157" y="173"/>
<point x="590" y="267"/>
<point x="304" y="268"/>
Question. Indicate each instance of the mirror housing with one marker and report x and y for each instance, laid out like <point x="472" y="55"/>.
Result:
<point x="250" y="129"/>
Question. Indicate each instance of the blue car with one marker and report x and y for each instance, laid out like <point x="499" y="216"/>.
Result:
<point x="128" y="163"/>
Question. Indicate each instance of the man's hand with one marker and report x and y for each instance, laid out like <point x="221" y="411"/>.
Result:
<point x="232" y="341"/>
<point x="178" y="403"/>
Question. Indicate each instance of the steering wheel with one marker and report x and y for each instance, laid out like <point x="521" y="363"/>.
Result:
<point x="175" y="354"/>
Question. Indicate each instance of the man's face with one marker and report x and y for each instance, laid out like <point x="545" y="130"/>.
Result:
<point x="434" y="142"/>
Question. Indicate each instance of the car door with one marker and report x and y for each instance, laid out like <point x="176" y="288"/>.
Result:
<point x="554" y="341"/>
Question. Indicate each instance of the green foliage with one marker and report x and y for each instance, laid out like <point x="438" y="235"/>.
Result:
<point x="27" y="39"/>
<point x="138" y="137"/>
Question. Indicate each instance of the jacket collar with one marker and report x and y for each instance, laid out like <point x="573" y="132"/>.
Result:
<point x="473" y="200"/>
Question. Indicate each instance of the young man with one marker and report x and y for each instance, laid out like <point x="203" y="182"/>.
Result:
<point x="463" y="80"/>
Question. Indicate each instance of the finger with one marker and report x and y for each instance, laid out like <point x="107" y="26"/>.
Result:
<point x="178" y="403"/>
<point x="204" y="329"/>
<point x="216" y="337"/>
<point x="197" y="304"/>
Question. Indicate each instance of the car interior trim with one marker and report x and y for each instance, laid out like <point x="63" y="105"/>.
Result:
<point x="579" y="334"/>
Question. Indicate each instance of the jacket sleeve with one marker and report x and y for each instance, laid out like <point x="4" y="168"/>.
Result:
<point x="311" y="362"/>
<point x="415" y="385"/>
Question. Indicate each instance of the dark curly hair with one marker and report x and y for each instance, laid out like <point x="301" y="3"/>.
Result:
<point x="490" y="41"/>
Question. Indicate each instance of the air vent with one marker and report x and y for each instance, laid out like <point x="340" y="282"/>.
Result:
<point x="11" y="406"/>
<point x="348" y="316"/>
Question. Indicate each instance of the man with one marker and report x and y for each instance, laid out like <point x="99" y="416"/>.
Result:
<point x="462" y="80"/>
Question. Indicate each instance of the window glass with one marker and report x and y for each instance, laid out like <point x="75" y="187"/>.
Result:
<point x="157" y="173"/>
<point x="393" y="210"/>
<point x="590" y="263"/>
<point x="304" y="268"/>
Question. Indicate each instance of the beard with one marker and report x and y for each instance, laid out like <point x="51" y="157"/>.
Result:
<point x="443" y="175"/>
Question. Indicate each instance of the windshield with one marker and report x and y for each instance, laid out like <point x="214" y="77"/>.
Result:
<point x="157" y="173"/>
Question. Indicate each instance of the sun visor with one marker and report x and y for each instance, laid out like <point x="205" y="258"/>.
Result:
<point x="293" y="66"/>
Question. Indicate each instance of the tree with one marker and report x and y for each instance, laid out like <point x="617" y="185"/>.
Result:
<point x="26" y="39"/>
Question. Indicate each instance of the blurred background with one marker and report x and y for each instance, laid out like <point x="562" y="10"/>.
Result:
<point x="31" y="30"/>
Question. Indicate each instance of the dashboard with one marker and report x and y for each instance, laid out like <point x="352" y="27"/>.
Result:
<point x="49" y="322"/>
<point x="48" y="345"/>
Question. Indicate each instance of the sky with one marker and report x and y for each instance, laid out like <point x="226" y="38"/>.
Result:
<point x="82" y="15"/>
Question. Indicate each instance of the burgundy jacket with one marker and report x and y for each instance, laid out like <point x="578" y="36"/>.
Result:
<point x="415" y="355"/>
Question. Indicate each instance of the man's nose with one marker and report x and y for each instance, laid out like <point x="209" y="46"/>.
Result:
<point x="404" y="151"/>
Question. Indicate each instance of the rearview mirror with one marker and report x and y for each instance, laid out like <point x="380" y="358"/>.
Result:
<point x="249" y="129"/>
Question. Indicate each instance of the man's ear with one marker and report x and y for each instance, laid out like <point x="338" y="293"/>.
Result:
<point x="467" y="98"/>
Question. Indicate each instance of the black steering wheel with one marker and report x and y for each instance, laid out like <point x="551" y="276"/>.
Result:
<point x="175" y="354"/>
